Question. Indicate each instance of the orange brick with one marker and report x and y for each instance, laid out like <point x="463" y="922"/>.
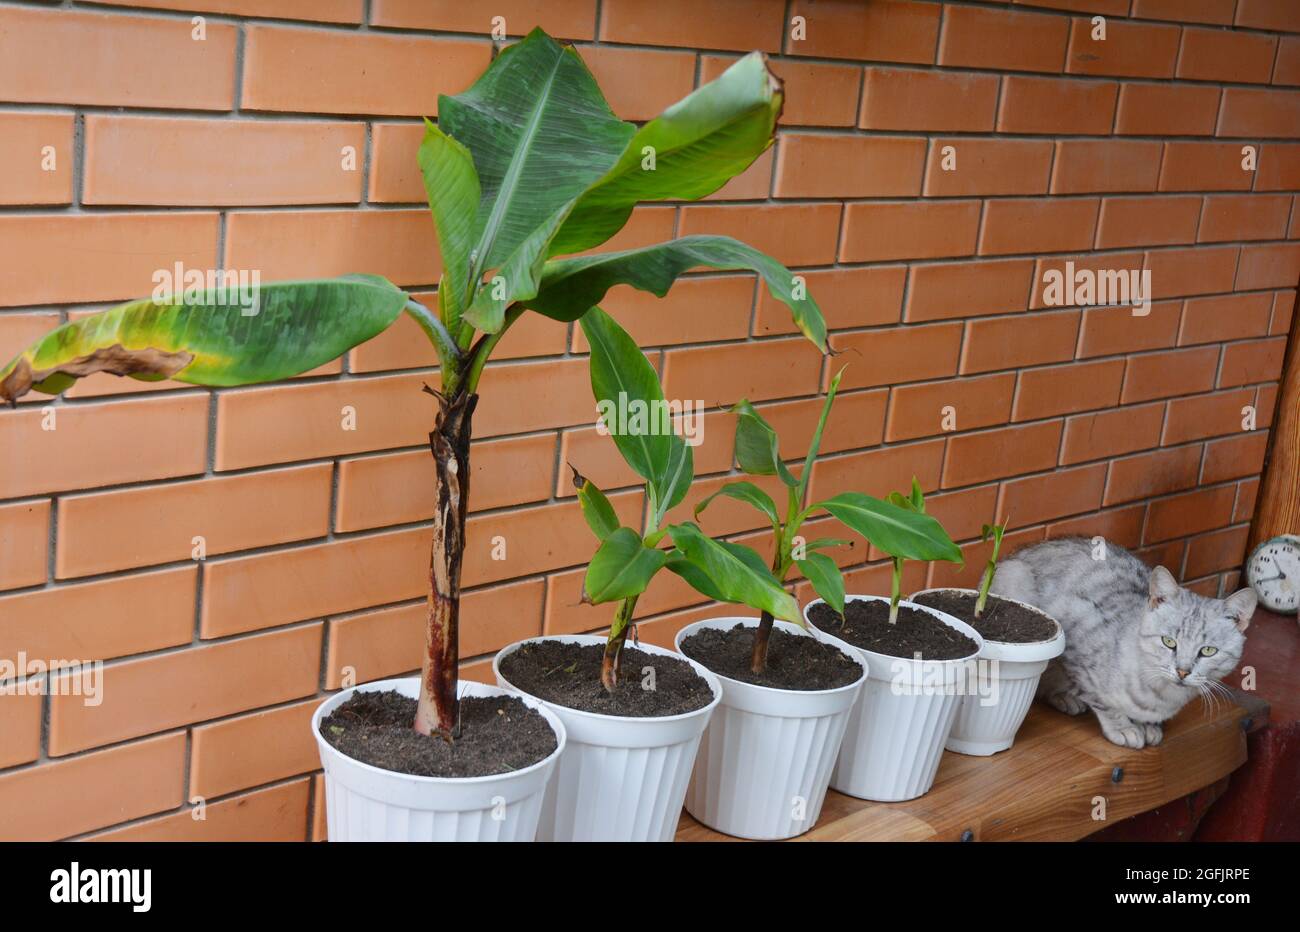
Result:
<point x="1070" y="268"/>
<point x="99" y="533"/>
<point x="994" y="454"/>
<point x="1268" y="14"/>
<point x="641" y="83"/>
<point x="20" y="720"/>
<point x="568" y="19"/>
<point x="1204" y="166"/>
<point x="1283" y="308"/>
<point x="849" y="166"/>
<point x="286" y="245"/>
<point x="394" y="173"/>
<point x="816" y="94"/>
<point x="987" y="166"/>
<point x="203" y="683"/>
<point x="1189" y="513"/>
<point x="1215" y="12"/>
<point x="693" y="24"/>
<point x="375" y="491"/>
<point x="1011" y="342"/>
<point x="697" y="310"/>
<point x="919" y="410"/>
<point x="276" y="813"/>
<point x="36" y="158"/>
<point x="1234" y="457"/>
<point x="1268" y="266"/>
<point x="953" y="102"/>
<point x="1035" y="499"/>
<point x="115" y="255"/>
<point x="324" y="11"/>
<point x="1147" y="221"/>
<point x="1247" y="493"/>
<point x="1244" y="217"/>
<point x="1202" y="416"/>
<point x="909" y="230"/>
<point x="1112" y="433"/>
<point x="1254" y="112"/>
<point x="794" y="234"/>
<point x="1038" y="225"/>
<point x="1252" y="361"/>
<point x="1218" y="55"/>
<point x="1108" y="7"/>
<point x="390" y="641"/>
<point x="963" y="513"/>
<point x="1286" y="70"/>
<point x="102" y="444"/>
<point x="184" y="162"/>
<point x="1176" y="272"/>
<point x="877" y="30"/>
<point x="24" y="543"/>
<point x="1279" y="167"/>
<point x="249" y="750"/>
<point x="967" y="289"/>
<point x="100" y="620"/>
<point x="879" y="472"/>
<point x="757" y="371"/>
<point x="1167" y="110"/>
<point x="1084" y="166"/>
<point x="753" y="184"/>
<point x="1122" y="526"/>
<point x="1148" y="475"/>
<point x="847" y="298"/>
<point x="900" y="354"/>
<point x="316" y="71"/>
<point x="979" y="37"/>
<point x="64" y="798"/>
<point x="168" y="68"/>
<point x="1056" y="105"/>
<point x="1130" y="49"/>
<point x="1163" y="375"/>
<point x="1110" y="330"/>
<point x="856" y="421"/>
<point x="1221" y="550"/>
<point x="1067" y="389"/>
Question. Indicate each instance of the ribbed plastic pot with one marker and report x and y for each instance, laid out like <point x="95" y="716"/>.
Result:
<point x="987" y="721"/>
<point x="620" y="778"/>
<point x="367" y="803"/>
<point x="767" y="754"/>
<point x="898" y="726"/>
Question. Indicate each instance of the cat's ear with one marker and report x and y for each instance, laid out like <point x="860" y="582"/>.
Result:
<point x="1241" y="607"/>
<point x="1163" y="586"/>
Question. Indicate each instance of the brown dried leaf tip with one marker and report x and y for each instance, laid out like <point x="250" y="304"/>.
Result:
<point x="115" y="360"/>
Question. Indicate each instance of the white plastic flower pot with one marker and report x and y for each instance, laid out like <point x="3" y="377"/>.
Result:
<point x="767" y="754"/>
<point x="901" y="720"/>
<point x="620" y="778"/>
<point x="988" y="720"/>
<point x="367" y="803"/>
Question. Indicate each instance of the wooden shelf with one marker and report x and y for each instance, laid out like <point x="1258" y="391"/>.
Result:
<point x="1043" y="788"/>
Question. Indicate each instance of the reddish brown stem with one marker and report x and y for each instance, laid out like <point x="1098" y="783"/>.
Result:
<point x="762" y="634"/>
<point x="438" y="711"/>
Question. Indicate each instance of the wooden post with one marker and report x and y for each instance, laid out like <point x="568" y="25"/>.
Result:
<point x="1277" y="508"/>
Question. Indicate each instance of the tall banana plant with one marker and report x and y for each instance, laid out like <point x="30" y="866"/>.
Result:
<point x="526" y="167"/>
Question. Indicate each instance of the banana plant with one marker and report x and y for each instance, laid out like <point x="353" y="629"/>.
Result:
<point x="996" y="533"/>
<point x="890" y="526"/>
<point x="523" y="169"/>
<point x="627" y="559"/>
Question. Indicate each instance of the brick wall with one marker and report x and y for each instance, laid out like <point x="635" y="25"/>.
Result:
<point x="226" y="151"/>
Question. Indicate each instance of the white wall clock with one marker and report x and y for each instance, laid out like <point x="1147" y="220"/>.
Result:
<point x="1273" y="571"/>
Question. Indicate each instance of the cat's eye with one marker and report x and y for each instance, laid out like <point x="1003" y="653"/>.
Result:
<point x="1169" y="642"/>
<point x="1209" y="651"/>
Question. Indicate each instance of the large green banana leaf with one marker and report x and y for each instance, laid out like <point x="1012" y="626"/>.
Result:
<point x="209" y="338"/>
<point x="540" y="133"/>
<point x="689" y="151"/>
<point x="453" y="190"/>
<point x="570" y="286"/>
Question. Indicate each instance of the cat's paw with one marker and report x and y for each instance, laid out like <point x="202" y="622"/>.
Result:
<point x="1128" y="735"/>
<point x="1067" y="703"/>
<point x="1154" y="734"/>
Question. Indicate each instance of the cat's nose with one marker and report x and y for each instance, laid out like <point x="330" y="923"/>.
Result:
<point x="1182" y="674"/>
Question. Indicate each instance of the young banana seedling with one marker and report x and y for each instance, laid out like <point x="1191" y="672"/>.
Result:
<point x="994" y="531"/>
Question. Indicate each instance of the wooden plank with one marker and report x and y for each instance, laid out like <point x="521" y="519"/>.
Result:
<point x="1046" y="787"/>
<point x="1277" y="509"/>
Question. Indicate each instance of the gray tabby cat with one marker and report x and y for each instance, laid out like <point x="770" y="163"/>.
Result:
<point x="1138" y="647"/>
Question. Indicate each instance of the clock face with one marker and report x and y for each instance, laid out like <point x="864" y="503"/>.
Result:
<point x="1274" y="574"/>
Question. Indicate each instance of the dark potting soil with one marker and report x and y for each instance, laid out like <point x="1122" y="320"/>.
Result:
<point x="866" y="625"/>
<point x="569" y="675"/>
<point x="793" y="661"/>
<point x="1008" y="622"/>
<point x="498" y="734"/>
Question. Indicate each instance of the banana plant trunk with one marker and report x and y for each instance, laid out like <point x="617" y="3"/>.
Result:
<point x="438" y="711"/>
<point x="762" y="634"/>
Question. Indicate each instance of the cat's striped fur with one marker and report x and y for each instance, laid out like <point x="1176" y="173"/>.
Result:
<point x="1120" y="618"/>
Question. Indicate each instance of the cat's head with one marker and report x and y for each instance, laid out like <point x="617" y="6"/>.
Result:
<point x="1188" y="639"/>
